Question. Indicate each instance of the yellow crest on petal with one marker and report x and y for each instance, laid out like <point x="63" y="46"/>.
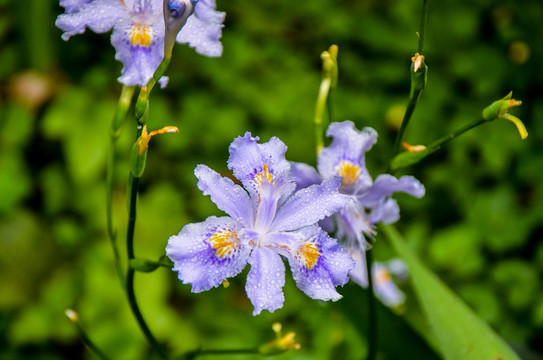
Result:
<point x="309" y="254"/>
<point x="225" y="242"/>
<point x="141" y="35"/>
<point x="349" y="172"/>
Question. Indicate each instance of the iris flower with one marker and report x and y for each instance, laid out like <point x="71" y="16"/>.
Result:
<point x="370" y="201"/>
<point x="139" y="31"/>
<point x="267" y="220"/>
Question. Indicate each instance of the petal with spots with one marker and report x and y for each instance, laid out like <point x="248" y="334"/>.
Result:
<point x="205" y="254"/>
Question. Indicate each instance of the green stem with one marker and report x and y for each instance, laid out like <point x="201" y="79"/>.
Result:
<point x="134" y="182"/>
<point x="90" y="344"/>
<point x="416" y="89"/>
<point x="372" y="309"/>
<point x="423" y="21"/>
<point x="319" y="113"/>
<point x="445" y="139"/>
<point x="123" y="104"/>
<point x="329" y="106"/>
<point x="413" y="99"/>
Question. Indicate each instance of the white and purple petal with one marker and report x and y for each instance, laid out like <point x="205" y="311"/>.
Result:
<point x="72" y="6"/>
<point x="385" y="185"/>
<point x="205" y="254"/>
<point x="228" y="196"/>
<point x="345" y="155"/>
<point x="317" y="262"/>
<point x="98" y="15"/>
<point x="307" y="206"/>
<point x="304" y="175"/>
<point x="265" y="280"/>
<point x="203" y="29"/>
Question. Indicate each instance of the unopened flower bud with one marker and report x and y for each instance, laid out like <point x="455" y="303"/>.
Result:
<point x="500" y="109"/>
<point x="176" y="13"/>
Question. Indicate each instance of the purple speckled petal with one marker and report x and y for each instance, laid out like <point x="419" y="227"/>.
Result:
<point x="265" y="280"/>
<point x="229" y="197"/>
<point x="385" y="185"/>
<point x="308" y="206"/>
<point x="203" y="29"/>
<point x="317" y="262"/>
<point x="99" y="15"/>
<point x="205" y="254"/>
<point x="304" y="175"/>
<point x="140" y="62"/>
<point x="345" y="155"/>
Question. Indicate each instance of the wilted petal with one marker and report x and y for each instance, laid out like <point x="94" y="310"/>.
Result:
<point x="385" y="185"/>
<point x="203" y="29"/>
<point x="317" y="262"/>
<point x="98" y="15"/>
<point x="308" y="206"/>
<point x="304" y="175"/>
<point x="205" y="254"/>
<point x="228" y="197"/>
<point x="345" y="155"/>
<point x="265" y="280"/>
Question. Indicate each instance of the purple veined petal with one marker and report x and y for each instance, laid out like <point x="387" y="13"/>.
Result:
<point x="140" y="47"/>
<point x="385" y="185"/>
<point x="254" y="163"/>
<point x="317" y="262"/>
<point x="307" y="206"/>
<point x="205" y="254"/>
<point x="229" y="197"/>
<point x="346" y="155"/>
<point x="98" y="15"/>
<point x="304" y="175"/>
<point x="203" y="29"/>
<point x="263" y="171"/>
<point x="265" y="280"/>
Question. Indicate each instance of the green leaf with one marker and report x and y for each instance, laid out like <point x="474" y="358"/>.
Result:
<point x="459" y="331"/>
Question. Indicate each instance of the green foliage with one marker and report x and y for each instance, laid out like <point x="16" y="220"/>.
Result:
<point x="479" y="225"/>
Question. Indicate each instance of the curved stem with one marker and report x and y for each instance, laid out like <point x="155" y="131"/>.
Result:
<point x="125" y="98"/>
<point x="197" y="353"/>
<point x="445" y="139"/>
<point x="372" y="310"/>
<point x="90" y="344"/>
<point x="134" y="182"/>
<point x="319" y="113"/>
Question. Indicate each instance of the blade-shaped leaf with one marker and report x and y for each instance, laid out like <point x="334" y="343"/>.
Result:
<point x="459" y="331"/>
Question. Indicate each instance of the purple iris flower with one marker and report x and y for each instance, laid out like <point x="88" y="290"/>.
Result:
<point x="267" y="219"/>
<point x="139" y="31"/>
<point x="370" y="201"/>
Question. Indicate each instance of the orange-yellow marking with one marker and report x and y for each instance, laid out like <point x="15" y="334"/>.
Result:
<point x="224" y="242"/>
<point x="310" y="255"/>
<point x="264" y="175"/>
<point x="349" y="172"/>
<point x="141" y="35"/>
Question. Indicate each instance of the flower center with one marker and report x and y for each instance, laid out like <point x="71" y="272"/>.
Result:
<point x="264" y="175"/>
<point x="224" y="242"/>
<point x="349" y="172"/>
<point x="141" y="35"/>
<point x="309" y="254"/>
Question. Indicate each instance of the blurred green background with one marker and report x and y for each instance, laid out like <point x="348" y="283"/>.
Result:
<point x="479" y="225"/>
